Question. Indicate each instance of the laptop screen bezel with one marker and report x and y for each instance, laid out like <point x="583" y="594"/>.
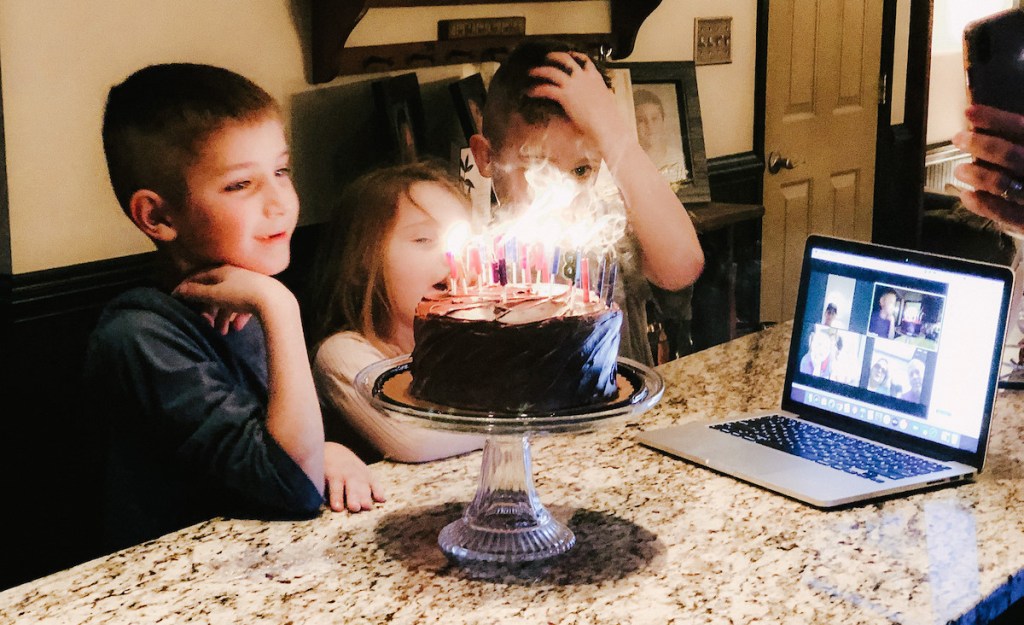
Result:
<point x="888" y="435"/>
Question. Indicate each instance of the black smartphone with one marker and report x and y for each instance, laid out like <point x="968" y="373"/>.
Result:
<point x="994" y="60"/>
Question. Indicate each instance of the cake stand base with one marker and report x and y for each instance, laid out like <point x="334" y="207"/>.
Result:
<point x="506" y="522"/>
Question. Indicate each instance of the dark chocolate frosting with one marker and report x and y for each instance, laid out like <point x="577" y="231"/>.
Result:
<point x="515" y="351"/>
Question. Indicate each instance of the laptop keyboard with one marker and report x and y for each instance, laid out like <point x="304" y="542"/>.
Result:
<point x="830" y="448"/>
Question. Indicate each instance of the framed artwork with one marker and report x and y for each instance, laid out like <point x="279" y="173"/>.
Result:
<point x="476" y="186"/>
<point x="398" y="100"/>
<point x="668" y="124"/>
<point x="469" y="96"/>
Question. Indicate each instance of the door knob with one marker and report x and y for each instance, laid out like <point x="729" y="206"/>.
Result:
<point x="777" y="162"/>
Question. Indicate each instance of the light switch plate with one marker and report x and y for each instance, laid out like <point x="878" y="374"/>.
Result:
<point x="712" y="40"/>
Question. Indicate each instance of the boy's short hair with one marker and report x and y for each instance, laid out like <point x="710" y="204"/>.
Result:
<point x="155" y="122"/>
<point x="506" y="94"/>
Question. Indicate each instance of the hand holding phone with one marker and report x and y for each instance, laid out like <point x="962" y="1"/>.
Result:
<point x="994" y="67"/>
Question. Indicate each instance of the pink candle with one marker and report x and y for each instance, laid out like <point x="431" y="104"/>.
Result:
<point x="453" y="267"/>
<point x="535" y="253"/>
<point x="475" y="267"/>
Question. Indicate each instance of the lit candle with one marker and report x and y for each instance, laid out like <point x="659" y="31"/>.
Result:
<point x="453" y="270"/>
<point x="475" y="267"/>
<point x="511" y="258"/>
<point x="502" y="272"/>
<point x="611" y="283"/>
<point x="524" y="262"/>
<point x="585" y="279"/>
<point x="556" y="256"/>
<point x="600" y="275"/>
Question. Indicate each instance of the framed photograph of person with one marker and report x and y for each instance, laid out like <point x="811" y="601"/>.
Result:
<point x="668" y="124"/>
<point x="469" y="96"/>
<point x="401" y="111"/>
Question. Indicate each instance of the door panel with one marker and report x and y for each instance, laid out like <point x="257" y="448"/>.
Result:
<point x="851" y="66"/>
<point x="820" y="113"/>
<point x="798" y="206"/>
<point x="844" y="205"/>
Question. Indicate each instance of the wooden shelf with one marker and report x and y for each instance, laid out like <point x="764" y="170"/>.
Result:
<point x="710" y="216"/>
<point x="365" y="59"/>
<point x="334" y="20"/>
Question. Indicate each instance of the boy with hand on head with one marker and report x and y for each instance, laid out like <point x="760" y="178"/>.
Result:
<point x="204" y="380"/>
<point x="550" y="103"/>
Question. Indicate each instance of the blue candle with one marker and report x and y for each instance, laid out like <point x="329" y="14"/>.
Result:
<point x="611" y="284"/>
<point x="600" y="275"/>
<point x="555" y="258"/>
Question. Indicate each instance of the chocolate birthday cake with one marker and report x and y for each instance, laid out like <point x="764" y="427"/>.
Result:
<point x="519" y="348"/>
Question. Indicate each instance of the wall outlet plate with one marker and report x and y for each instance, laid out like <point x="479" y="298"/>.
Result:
<point x="712" y="40"/>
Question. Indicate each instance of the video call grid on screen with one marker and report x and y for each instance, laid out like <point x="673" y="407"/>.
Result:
<point x="889" y="343"/>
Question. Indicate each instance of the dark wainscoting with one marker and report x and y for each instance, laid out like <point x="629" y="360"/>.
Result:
<point x="52" y="457"/>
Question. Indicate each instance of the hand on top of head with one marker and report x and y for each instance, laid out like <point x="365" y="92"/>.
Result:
<point x="996" y="140"/>
<point x="573" y="81"/>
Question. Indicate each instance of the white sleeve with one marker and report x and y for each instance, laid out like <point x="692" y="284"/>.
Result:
<point x="335" y="366"/>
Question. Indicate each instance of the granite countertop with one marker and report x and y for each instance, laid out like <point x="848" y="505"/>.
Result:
<point x="658" y="540"/>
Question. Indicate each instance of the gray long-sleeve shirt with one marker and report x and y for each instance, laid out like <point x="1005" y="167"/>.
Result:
<point x="185" y="408"/>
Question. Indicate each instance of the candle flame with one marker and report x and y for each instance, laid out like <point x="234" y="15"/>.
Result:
<point x="458" y="236"/>
<point x="565" y="212"/>
<point x="545" y="240"/>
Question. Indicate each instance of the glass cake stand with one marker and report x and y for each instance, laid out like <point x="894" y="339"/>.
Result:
<point x="506" y="522"/>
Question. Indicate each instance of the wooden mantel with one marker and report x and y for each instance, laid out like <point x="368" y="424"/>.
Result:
<point x="334" y="20"/>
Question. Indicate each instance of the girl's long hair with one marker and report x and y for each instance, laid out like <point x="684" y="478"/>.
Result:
<point x="349" y="287"/>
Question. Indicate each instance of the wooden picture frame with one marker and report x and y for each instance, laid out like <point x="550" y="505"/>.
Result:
<point x="675" y="142"/>
<point x="401" y="111"/>
<point x="468" y="96"/>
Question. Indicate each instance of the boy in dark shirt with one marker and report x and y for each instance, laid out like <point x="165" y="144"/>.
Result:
<point x="204" y="381"/>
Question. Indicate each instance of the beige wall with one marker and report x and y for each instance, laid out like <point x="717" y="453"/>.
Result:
<point x="901" y="45"/>
<point x="60" y="57"/>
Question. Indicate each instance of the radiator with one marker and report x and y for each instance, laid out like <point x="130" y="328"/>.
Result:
<point x="939" y="164"/>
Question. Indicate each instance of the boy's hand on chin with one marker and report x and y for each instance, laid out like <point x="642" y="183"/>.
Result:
<point x="230" y="295"/>
<point x="224" y="320"/>
<point x="350" y="483"/>
<point x="578" y="86"/>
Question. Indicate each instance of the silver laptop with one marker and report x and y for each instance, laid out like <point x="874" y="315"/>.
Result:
<point x="889" y="386"/>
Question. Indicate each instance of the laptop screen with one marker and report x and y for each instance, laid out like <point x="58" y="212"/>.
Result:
<point x="899" y="340"/>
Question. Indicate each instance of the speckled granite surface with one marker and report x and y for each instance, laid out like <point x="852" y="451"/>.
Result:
<point x="658" y="541"/>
